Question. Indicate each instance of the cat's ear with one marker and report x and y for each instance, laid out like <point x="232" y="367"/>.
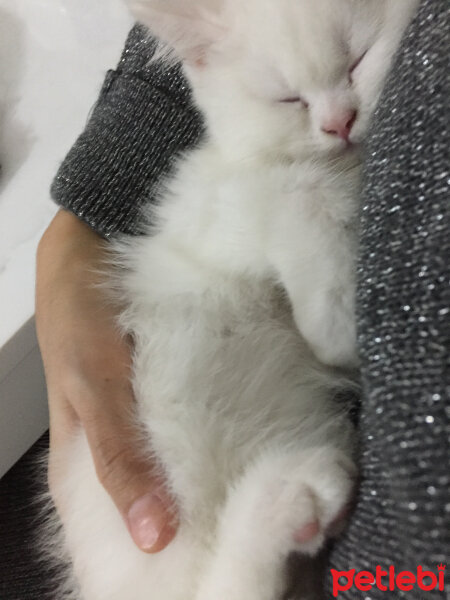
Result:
<point x="189" y="27"/>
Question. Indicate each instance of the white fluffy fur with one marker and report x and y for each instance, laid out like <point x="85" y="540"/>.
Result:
<point x="241" y="303"/>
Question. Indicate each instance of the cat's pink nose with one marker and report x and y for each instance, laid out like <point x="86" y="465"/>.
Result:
<point x="340" y="124"/>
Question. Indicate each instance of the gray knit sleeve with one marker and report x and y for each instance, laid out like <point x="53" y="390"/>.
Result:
<point x="402" y="514"/>
<point x="143" y="118"/>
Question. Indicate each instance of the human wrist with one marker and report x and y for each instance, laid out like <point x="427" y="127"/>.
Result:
<point x="69" y="236"/>
<point x="68" y="248"/>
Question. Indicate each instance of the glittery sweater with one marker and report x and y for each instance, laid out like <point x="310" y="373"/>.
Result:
<point x="144" y="118"/>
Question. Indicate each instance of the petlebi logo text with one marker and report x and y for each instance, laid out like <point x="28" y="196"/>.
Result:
<point x="388" y="580"/>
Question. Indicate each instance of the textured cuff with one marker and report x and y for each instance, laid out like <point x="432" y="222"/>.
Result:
<point x="143" y="119"/>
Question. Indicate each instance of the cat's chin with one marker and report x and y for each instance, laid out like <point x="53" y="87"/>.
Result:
<point x="348" y="156"/>
<point x="348" y="151"/>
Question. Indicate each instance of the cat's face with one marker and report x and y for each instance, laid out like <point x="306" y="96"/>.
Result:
<point x="285" y="78"/>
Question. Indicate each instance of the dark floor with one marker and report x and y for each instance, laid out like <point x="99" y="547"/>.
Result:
<point x="22" y="575"/>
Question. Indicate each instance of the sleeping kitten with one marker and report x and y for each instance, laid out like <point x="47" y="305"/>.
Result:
<point x="241" y="303"/>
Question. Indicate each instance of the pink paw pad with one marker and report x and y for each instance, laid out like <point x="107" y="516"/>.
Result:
<point x="307" y="532"/>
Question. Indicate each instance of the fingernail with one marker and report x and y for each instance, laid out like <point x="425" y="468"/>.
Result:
<point x="146" y="519"/>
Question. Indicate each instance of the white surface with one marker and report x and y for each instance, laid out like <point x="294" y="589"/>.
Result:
<point x="53" y="58"/>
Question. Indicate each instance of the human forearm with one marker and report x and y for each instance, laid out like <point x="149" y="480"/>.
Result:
<point x="87" y="366"/>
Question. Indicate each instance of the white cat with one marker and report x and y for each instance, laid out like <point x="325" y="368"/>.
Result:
<point x="241" y="302"/>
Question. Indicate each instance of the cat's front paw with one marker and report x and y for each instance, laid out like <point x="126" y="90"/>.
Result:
<point x="329" y="327"/>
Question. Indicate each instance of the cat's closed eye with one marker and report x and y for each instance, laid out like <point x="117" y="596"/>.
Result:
<point x="355" y="65"/>
<point x="294" y="100"/>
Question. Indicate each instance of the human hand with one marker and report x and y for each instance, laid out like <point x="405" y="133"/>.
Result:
<point x="87" y="366"/>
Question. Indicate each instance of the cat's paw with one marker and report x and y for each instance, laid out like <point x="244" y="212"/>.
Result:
<point x="330" y="329"/>
<point x="334" y="342"/>
<point x="327" y="487"/>
<point x="314" y="492"/>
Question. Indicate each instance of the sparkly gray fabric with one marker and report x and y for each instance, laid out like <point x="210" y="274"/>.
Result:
<point x="402" y="516"/>
<point x="143" y="118"/>
<point x="403" y="513"/>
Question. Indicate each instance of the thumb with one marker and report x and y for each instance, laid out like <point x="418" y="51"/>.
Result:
<point x="134" y="483"/>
